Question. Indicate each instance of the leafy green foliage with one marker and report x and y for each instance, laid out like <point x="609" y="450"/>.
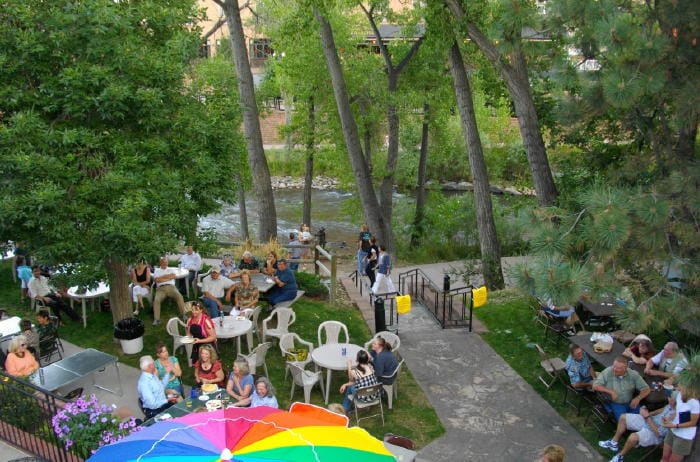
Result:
<point x="107" y="154"/>
<point x="311" y="284"/>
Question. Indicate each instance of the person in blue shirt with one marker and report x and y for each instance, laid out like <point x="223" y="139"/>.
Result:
<point x="151" y="389"/>
<point x="579" y="368"/>
<point x="285" y="287"/>
<point x="383" y="360"/>
<point x="24" y="273"/>
<point x="264" y="395"/>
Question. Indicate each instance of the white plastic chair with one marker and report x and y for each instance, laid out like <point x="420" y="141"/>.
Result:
<point x="257" y="357"/>
<point x="390" y="337"/>
<point x="332" y="330"/>
<point x="392" y="391"/>
<point x="253" y="315"/>
<point x="305" y="379"/>
<point x="289" y="342"/>
<point x="197" y="281"/>
<point x="173" y="328"/>
<point x="285" y="317"/>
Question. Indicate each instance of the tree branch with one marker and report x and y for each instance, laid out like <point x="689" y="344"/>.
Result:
<point x="214" y="28"/>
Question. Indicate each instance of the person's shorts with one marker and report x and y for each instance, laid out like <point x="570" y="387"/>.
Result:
<point x="678" y="445"/>
<point x="637" y="423"/>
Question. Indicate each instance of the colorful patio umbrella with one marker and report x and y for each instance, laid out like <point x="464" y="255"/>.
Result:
<point x="261" y="434"/>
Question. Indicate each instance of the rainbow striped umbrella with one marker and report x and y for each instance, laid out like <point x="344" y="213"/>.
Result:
<point x="261" y="434"/>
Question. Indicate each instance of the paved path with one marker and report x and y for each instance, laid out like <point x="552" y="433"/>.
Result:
<point x="489" y="412"/>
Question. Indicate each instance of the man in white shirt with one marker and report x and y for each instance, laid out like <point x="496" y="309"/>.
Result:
<point x="165" y="287"/>
<point x="669" y="362"/>
<point x="215" y="288"/>
<point x="191" y="261"/>
<point x="40" y="289"/>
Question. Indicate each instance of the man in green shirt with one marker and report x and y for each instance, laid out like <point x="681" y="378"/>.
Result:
<point x="44" y="325"/>
<point x="620" y="384"/>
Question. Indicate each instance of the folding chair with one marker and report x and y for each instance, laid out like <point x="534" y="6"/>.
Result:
<point x="553" y="367"/>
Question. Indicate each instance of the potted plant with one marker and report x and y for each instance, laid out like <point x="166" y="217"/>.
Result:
<point x="85" y="425"/>
<point x="129" y="332"/>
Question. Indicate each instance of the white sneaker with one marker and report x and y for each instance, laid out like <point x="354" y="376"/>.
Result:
<point x="617" y="458"/>
<point x="608" y="444"/>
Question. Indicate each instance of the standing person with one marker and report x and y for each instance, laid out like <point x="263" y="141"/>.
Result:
<point x="678" y="442"/>
<point x="305" y="238"/>
<point x="165" y="288"/>
<point x="372" y="261"/>
<point x="191" y="261"/>
<point x="201" y="327"/>
<point x="141" y="280"/>
<point x="363" y="247"/>
<point x="295" y="251"/>
<point x="215" y="290"/>
<point x="24" y="273"/>
<point x="285" y="287"/>
<point x="383" y="272"/>
<point x="39" y="287"/>
<point x="167" y="365"/>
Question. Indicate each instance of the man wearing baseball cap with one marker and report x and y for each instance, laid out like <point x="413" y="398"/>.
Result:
<point x="215" y="290"/>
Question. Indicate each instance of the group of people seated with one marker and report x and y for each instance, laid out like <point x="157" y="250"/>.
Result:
<point x="24" y="349"/>
<point x="624" y="390"/>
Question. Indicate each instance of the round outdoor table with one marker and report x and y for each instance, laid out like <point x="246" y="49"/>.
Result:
<point x="101" y="290"/>
<point x="330" y="357"/>
<point x="233" y="328"/>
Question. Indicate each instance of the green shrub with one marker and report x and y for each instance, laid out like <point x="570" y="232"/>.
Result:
<point x="311" y="284"/>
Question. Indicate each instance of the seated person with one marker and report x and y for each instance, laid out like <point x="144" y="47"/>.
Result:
<point x="557" y="311"/>
<point x="360" y="376"/>
<point x="270" y="264"/>
<point x="228" y="267"/>
<point x="40" y="290"/>
<point x="208" y="369"/>
<point x="264" y="395"/>
<point x="44" y="326"/>
<point x="647" y="426"/>
<point x="383" y="361"/>
<point x="620" y="383"/>
<point x="669" y="363"/>
<point x="247" y="293"/>
<point x="20" y="362"/>
<point x="640" y="350"/>
<point x="201" y="327"/>
<point x="165" y="288"/>
<point x="216" y="289"/>
<point x="285" y="287"/>
<point x="240" y="381"/>
<point x="249" y="262"/>
<point x="579" y="368"/>
<point x="166" y="364"/>
<point x="26" y="329"/>
<point x="151" y="389"/>
<point x="141" y="283"/>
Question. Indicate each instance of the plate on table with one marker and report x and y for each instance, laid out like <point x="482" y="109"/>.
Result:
<point x="269" y="280"/>
<point x="214" y="404"/>
<point x="210" y="388"/>
<point x="241" y="318"/>
<point x="204" y="397"/>
<point x="187" y="339"/>
<point x="165" y="416"/>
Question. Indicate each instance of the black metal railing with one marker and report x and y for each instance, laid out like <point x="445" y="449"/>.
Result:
<point x="451" y="308"/>
<point x="25" y="419"/>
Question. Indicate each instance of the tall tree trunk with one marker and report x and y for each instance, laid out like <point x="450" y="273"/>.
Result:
<point x="267" y="215"/>
<point x="518" y="83"/>
<point x="242" y="208"/>
<point x="488" y="240"/>
<point x="386" y="187"/>
<point x="309" y="170"/>
<point x="418" y="231"/>
<point x="370" y="205"/>
<point x="366" y="133"/>
<point x="119" y="301"/>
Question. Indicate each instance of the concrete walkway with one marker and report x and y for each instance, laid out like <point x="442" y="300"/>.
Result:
<point x="489" y="412"/>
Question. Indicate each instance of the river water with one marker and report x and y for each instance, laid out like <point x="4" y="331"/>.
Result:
<point x="337" y="211"/>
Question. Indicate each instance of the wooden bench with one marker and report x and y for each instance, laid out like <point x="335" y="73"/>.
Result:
<point x="289" y="303"/>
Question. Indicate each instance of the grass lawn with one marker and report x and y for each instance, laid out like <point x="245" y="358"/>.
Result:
<point x="412" y="415"/>
<point x="512" y="332"/>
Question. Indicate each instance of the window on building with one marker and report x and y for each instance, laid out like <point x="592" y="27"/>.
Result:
<point x="260" y="49"/>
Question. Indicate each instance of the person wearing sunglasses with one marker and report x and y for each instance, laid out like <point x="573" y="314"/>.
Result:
<point x="20" y="362"/>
